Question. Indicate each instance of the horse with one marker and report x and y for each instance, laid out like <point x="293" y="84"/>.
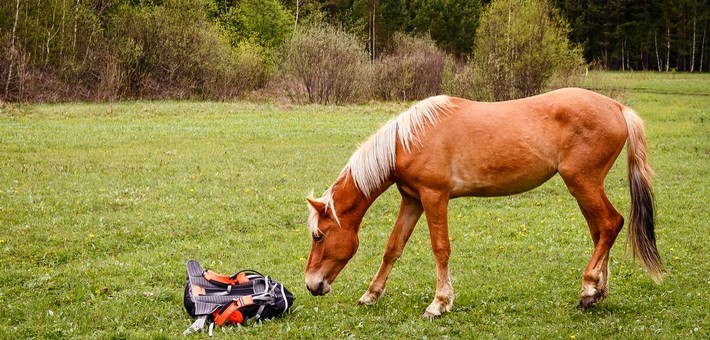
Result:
<point x="446" y="147"/>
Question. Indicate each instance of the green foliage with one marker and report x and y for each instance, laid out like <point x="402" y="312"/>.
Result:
<point x="521" y="45"/>
<point x="260" y="22"/>
<point x="463" y="80"/>
<point x="180" y="52"/>
<point x="452" y="24"/>
<point x="101" y="205"/>
<point x="123" y="49"/>
<point x="641" y="35"/>
<point x="62" y="50"/>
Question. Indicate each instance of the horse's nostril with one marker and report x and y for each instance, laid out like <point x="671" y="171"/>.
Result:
<point x="321" y="289"/>
<point x="313" y="291"/>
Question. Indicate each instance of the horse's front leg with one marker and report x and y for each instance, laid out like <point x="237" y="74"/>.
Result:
<point x="409" y="212"/>
<point x="436" y="206"/>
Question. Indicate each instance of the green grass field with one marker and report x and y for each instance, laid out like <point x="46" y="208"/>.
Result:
<point x="101" y="206"/>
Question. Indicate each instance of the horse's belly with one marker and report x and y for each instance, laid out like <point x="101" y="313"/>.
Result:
<point x="489" y="181"/>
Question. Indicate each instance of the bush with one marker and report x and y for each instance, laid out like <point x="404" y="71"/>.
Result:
<point x="521" y="45"/>
<point x="411" y="70"/>
<point x="241" y="69"/>
<point x="157" y="49"/>
<point x="462" y="80"/>
<point x="177" y="53"/>
<point x="324" y="65"/>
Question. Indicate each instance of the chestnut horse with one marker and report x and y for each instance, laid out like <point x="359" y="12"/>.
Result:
<point x="445" y="147"/>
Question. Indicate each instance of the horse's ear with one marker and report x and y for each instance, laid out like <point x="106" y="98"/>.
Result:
<point x="317" y="205"/>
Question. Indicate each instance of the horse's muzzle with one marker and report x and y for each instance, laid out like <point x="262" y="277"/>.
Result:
<point x="318" y="288"/>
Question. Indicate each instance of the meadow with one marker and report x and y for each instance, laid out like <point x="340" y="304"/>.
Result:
<point x="102" y="204"/>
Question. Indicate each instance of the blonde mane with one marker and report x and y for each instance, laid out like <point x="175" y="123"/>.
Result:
<point x="313" y="215"/>
<point x="374" y="160"/>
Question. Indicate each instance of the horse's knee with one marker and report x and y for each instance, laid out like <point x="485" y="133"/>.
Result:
<point x="392" y="253"/>
<point x="441" y="248"/>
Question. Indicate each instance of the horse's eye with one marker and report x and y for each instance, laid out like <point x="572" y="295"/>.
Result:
<point x="318" y="237"/>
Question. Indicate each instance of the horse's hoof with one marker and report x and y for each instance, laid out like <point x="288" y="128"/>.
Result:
<point x="368" y="299"/>
<point x="435" y="310"/>
<point x="363" y="302"/>
<point x="427" y="315"/>
<point x="587" y="302"/>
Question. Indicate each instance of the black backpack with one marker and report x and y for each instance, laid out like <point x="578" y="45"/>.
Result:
<point x="231" y="299"/>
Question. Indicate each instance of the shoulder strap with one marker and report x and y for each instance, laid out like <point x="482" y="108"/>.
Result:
<point x="238" y="278"/>
<point x="231" y="311"/>
<point x="230" y="280"/>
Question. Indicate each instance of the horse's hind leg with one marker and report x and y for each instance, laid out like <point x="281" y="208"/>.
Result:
<point x="604" y="225"/>
<point x="409" y="212"/>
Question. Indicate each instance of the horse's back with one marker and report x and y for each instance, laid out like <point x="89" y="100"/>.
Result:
<point x="503" y="148"/>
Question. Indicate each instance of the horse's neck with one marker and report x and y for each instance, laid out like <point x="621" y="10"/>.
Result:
<point x="351" y="204"/>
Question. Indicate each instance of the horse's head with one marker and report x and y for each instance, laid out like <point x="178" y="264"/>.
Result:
<point x="332" y="245"/>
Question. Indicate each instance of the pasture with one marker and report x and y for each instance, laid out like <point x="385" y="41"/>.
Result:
<point x="101" y="205"/>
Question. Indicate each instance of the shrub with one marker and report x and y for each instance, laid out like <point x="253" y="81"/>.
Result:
<point x="176" y="53"/>
<point x="241" y="69"/>
<point x="324" y="65"/>
<point x="463" y="80"/>
<point x="412" y="69"/>
<point x="521" y="45"/>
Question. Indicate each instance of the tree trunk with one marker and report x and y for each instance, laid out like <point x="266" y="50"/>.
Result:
<point x="692" y="54"/>
<point x="76" y="19"/>
<point x="295" y="23"/>
<point x="62" y="33"/>
<point x="668" y="47"/>
<point x="373" y="26"/>
<point x="702" y="46"/>
<point x="12" y="49"/>
<point x="623" y="44"/>
<point x="659" y="63"/>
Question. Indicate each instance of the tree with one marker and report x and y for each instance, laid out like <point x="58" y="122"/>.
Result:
<point x="452" y="24"/>
<point x="520" y="45"/>
<point x="12" y="52"/>
<point x="640" y="34"/>
<point x="262" y="22"/>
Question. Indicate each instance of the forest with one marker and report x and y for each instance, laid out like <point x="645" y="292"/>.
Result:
<point x="62" y="50"/>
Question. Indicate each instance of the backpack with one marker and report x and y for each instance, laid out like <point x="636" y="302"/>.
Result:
<point x="231" y="299"/>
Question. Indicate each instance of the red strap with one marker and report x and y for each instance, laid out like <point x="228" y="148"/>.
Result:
<point x="241" y="278"/>
<point x="231" y="313"/>
<point x="225" y="279"/>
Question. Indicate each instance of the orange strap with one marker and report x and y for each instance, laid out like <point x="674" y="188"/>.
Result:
<point x="226" y="279"/>
<point x="231" y="313"/>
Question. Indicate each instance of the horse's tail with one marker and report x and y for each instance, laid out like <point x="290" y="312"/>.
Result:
<point x="641" y="227"/>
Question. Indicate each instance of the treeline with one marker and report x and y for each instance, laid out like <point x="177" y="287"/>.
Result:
<point x="332" y="50"/>
<point x="109" y="49"/>
<point x="660" y="35"/>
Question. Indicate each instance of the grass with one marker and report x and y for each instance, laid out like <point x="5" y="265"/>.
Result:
<point x="101" y="205"/>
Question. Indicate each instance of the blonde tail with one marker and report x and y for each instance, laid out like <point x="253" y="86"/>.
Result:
<point x="641" y="226"/>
